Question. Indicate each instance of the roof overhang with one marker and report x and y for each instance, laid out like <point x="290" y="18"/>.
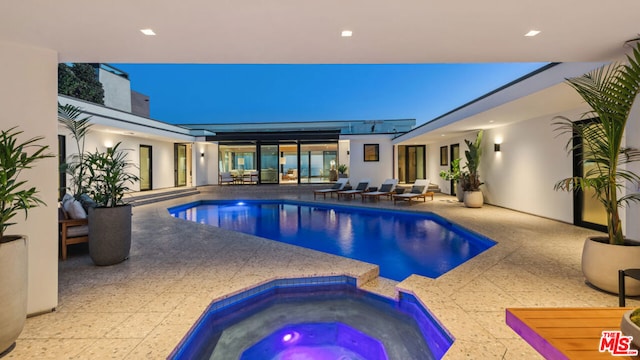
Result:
<point x="541" y="94"/>
<point x="305" y="32"/>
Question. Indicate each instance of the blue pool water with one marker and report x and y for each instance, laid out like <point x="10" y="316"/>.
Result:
<point x="401" y="243"/>
<point x="321" y="318"/>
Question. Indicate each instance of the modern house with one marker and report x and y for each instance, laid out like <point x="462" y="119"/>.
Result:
<point x="33" y="40"/>
<point x="190" y="155"/>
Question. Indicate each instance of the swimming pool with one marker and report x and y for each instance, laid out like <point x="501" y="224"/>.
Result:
<point x="401" y="243"/>
<point x="321" y="318"/>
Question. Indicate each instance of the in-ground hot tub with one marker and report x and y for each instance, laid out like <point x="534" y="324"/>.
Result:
<point x="314" y="318"/>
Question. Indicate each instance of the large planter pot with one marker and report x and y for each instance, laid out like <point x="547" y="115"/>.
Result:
<point x="629" y="328"/>
<point x="601" y="262"/>
<point x="473" y="199"/>
<point x="459" y="191"/>
<point x="13" y="290"/>
<point x="109" y="234"/>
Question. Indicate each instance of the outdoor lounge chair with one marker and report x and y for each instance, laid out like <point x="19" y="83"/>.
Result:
<point x="418" y="190"/>
<point x="337" y="186"/>
<point x="386" y="189"/>
<point x="362" y="187"/>
<point x="225" y="177"/>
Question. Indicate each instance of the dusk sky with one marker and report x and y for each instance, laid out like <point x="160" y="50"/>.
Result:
<point x="274" y="93"/>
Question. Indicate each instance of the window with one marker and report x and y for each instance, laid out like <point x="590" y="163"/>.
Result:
<point x="371" y="152"/>
<point x="444" y="159"/>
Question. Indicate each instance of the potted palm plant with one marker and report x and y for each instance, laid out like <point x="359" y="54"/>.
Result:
<point x="610" y="91"/>
<point x="110" y="220"/>
<point x="342" y="170"/>
<point x="471" y="178"/>
<point x="75" y="166"/>
<point x="15" y="197"/>
<point x="455" y="175"/>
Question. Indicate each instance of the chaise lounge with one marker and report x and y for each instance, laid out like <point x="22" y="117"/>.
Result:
<point x="386" y="189"/>
<point x="418" y="190"/>
<point x="339" y="185"/>
<point x="350" y="194"/>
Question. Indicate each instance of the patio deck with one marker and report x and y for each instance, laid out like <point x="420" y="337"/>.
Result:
<point x="142" y="307"/>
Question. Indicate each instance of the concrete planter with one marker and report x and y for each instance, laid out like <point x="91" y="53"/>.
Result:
<point x="629" y="328"/>
<point x="473" y="199"/>
<point x="109" y="234"/>
<point x="13" y="290"/>
<point x="601" y="262"/>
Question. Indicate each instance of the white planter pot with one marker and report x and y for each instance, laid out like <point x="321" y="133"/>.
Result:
<point x="601" y="262"/>
<point x="473" y="199"/>
<point x="629" y="328"/>
<point x="13" y="290"/>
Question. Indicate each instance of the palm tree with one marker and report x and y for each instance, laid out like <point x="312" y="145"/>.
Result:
<point x="75" y="166"/>
<point x="610" y="91"/>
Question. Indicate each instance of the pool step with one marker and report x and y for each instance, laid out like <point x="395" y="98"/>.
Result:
<point x="143" y="198"/>
<point x="383" y="287"/>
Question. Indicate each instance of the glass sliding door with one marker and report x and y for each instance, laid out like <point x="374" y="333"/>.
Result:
<point x="411" y="163"/>
<point x="62" y="159"/>
<point x="288" y="161"/>
<point x="588" y="211"/>
<point x="454" y="150"/>
<point x="180" y="164"/>
<point x="145" y="167"/>
<point x="237" y="159"/>
<point x="316" y="161"/>
<point x="269" y="161"/>
<point x="402" y="164"/>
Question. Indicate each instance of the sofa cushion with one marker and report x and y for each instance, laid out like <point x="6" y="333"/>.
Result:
<point x="74" y="209"/>
<point x="75" y="231"/>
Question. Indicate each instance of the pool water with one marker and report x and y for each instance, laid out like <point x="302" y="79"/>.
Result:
<point x="323" y="318"/>
<point x="401" y="243"/>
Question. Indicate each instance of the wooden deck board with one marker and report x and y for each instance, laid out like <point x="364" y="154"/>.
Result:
<point x="566" y="333"/>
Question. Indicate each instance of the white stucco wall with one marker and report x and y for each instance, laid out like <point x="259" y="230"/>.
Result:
<point x="206" y="167"/>
<point x="28" y="88"/>
<point x="522" y="175"/>
<point x="376" y="171"/>
<point x="117" y="90"/>
<point x="433" y="160"/>
<point x="632" y="139"/>
<point x="162" y="154"/>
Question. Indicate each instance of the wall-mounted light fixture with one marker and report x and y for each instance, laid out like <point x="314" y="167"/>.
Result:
<point x="202" y="154"/>
<point x="496" y="147"/>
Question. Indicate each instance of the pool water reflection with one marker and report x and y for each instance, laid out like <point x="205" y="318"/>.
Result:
<point x="401" y="243"/>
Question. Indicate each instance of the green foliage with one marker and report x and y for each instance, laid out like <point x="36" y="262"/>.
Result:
<point x="471" y="177"/>
<point x="342" y="168"/>
<point x="610" y="91"/>
<point x="80" y="81"/>
<point x="15" y="157"/>
<point x="108" y="176"/>
<point x="74" y="165"/>
<point x="454" y="173"/>
<point x="635" y="317"/>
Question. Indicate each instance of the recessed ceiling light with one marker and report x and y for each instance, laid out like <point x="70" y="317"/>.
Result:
<point x="532" y="33"/>
<point x="148" y="32"/>
<point x="347" y="33"/>
<point x="442" y="135"/>
<point x="490" y="121"/>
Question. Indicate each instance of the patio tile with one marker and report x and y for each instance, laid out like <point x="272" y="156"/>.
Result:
<point x="143" y="307"/>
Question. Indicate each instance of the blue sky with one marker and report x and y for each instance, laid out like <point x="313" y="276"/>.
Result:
<point x="273" y="93"/>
